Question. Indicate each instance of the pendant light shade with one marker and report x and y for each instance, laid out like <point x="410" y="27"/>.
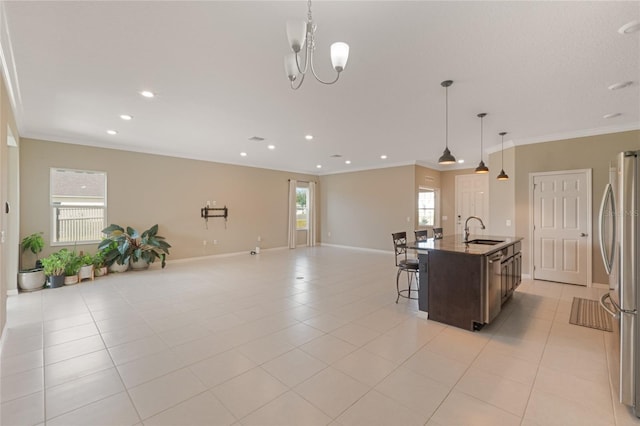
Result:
<point x="481" y="167"/>
<point x="447" y="157"/>
<point x="503" y="175"/>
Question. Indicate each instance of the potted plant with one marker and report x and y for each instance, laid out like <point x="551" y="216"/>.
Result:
<point x="116" y="247"/>
<point x="32" y="279"/>
<point x="134" y="248"/>
<point x="53" y="267"/>
<point x="72" y="263"/>
<point x="86" y="267"/>
<point x="149" y="247"/>
<point x="99" y="263"/>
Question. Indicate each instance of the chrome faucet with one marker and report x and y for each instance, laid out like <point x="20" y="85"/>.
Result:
<point x="466" y="226"/>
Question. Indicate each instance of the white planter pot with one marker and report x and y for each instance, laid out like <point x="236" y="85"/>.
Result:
<point x="140" y="264"/>
<point x="86" y="272"/>
<point x="116" y="267"/>
<point x="31" y="280"/>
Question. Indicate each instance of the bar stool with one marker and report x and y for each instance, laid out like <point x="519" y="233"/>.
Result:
<point x="405" y="264"/>
<point x="421" y="235"/>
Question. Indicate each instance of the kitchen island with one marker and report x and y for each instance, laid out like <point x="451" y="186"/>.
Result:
<point x="464" y="284"/>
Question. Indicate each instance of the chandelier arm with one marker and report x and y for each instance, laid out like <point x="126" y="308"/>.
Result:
<point x="313" y="70"/>
<point x="294" y="87"/>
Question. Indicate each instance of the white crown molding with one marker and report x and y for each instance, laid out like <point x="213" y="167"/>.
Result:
<point x="566" y="135"/>
<point x="362" y="169"/>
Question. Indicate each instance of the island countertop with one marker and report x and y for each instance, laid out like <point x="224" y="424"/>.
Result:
<point x="456" y="244"/>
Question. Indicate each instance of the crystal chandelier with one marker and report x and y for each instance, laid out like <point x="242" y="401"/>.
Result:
<point x="301" y="36"/>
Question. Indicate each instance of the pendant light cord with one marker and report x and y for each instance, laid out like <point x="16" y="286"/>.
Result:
<point x="502" y="161"/>
<point x="481" y="131"/>
<point x="446" y="117"/>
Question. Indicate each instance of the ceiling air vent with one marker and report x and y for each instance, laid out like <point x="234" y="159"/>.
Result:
<point x="256" y="139"/>
<point x="336" y="156"/>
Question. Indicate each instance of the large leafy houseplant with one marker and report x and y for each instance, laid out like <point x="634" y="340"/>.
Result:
<point x="130" y="245"/>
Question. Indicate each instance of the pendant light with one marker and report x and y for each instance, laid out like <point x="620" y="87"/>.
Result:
<point x="503" y="175"/>
<point x="481" y="167"/>
<point x="446" y="158"/>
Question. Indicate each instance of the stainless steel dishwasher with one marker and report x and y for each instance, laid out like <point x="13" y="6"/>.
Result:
<point x="493" y="287"/>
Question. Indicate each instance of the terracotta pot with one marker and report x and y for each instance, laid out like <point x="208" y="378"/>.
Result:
<point x="71" y="279"/>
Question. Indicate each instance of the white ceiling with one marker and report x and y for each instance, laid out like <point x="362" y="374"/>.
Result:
<point x="539" y="69"/>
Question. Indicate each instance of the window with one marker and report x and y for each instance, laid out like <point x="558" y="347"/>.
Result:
<point x="302" y="212"/>
<point x="78" y="205"/>
<point x="426" y="207"/>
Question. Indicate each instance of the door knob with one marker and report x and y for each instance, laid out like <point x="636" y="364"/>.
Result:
<point x="582" y="234"/>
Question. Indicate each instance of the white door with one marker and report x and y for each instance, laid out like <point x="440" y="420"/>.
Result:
<point x="561" y="224"/>
<point x="472" y="199"/>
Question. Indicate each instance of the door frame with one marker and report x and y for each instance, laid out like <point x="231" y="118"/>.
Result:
<point x="588" y="175"/>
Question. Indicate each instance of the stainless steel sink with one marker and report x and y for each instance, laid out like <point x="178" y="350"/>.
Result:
<point x="485" y="242"/>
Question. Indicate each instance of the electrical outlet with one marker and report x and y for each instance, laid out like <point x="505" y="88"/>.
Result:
<point x="214" y="203"/>
<point x="215" y="242"/>
<point x="329" y="234"/>
<point x="204" y="242"/>
<point x="208" y="203"/>
<point x="508" y="222"/>
<point x="259" y="238"/>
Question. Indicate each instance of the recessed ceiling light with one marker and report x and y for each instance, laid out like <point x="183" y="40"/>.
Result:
<point x="83" y="186"/>
<point x="629" y="27"/>
<point x="612" y="115"/>
<point x="383" y="157"/>
<point x="271" y="146"/>
<point x="308" y="137"/>
<point x="126" y="117"/>
<point x="318" y="166"/>
<point x="460" y="161"/>
<point x="347" y="162"/>
<point x="147" y="94"/>
<point x="243" y="154"/>
<point x="112" y="132"/>
<point x="620" y="85"/>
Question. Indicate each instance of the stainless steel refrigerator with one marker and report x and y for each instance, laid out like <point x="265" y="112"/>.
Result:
<point x="620" y="248"/>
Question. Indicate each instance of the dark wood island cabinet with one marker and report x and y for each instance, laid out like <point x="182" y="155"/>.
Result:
<point x="465" y="284"/>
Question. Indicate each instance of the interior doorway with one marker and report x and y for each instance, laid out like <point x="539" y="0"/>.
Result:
<point x="561" y="239"/>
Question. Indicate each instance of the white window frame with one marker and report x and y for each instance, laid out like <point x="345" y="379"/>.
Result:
<point x="436" y="207"/>
<point x="53" y="207"/>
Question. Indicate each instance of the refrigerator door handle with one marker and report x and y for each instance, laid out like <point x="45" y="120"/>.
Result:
<point x="607" y="197"/>
<point x="604" y="297"/>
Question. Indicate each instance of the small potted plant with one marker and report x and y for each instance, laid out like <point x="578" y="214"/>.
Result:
<point x="72" y="263"/>
<point x="99" y="263"/>
<point x="116" y="247"/>
<point x="31" y="279"/>
<point x="53" y="267"/>
<point x="86" y="268"/>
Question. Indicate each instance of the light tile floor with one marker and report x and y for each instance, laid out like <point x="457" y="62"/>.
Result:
<point x="294" y="337"/>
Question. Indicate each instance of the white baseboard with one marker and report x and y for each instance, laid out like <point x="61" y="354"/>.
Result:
<point x="423" y="315"/>
<point x="12" y="292"/>
<point x="526" y="276"/>
<point x="3" y="337"/>
<point x="218" y="256"/>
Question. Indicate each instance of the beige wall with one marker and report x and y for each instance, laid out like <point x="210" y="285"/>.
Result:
<point x="145" y="189"/>
<point x="363" y="209"/>
<point x="502" y="194"/>
<point x="593" y="152"/>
